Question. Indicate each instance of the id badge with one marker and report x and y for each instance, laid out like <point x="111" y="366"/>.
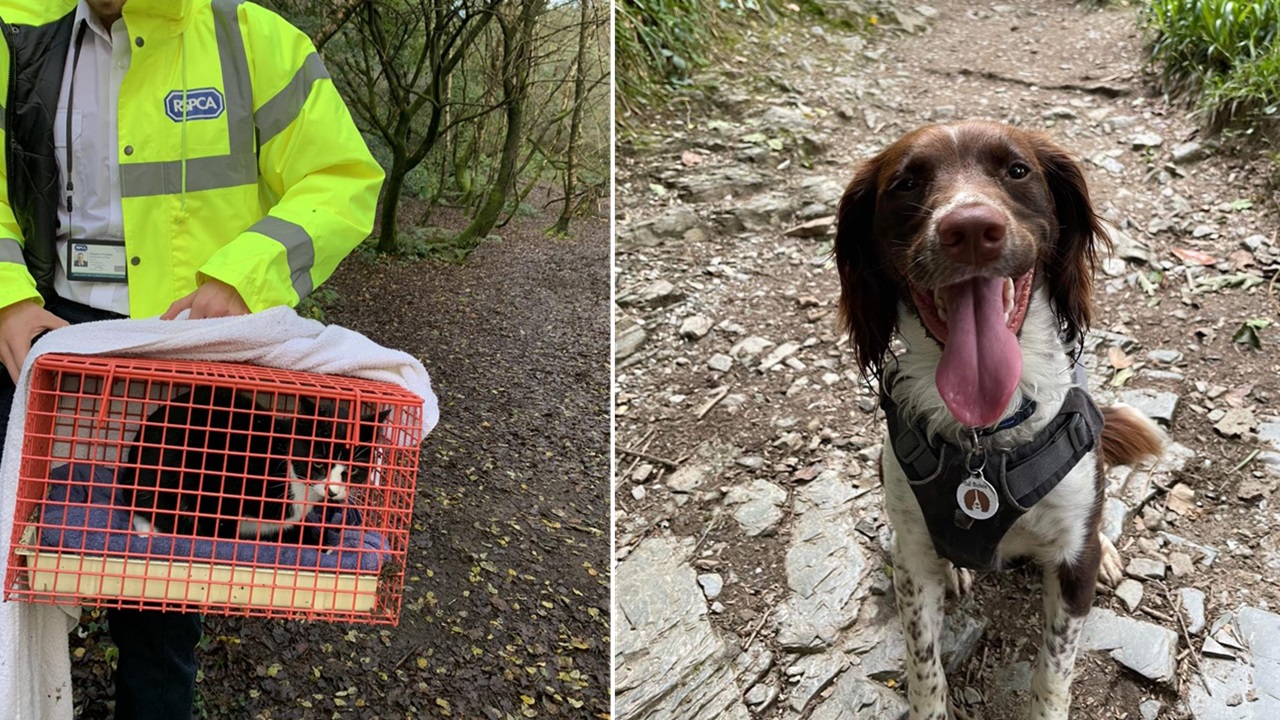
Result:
<point x="97" y="261"/>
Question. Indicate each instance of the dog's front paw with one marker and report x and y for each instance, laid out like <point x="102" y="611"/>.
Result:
<point x="1111" y="569"/>
<point x="959" y="581"/>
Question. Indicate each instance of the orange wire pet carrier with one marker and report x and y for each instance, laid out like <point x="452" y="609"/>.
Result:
<point x="214" y="487"/>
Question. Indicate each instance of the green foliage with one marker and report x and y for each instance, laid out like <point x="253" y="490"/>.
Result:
<point x="1252" y="90"/>
<point x="1221" y="53"/>
<point x="433" y="243"/>
<point x="659" y="42"/>
<point x="315" y="306"/>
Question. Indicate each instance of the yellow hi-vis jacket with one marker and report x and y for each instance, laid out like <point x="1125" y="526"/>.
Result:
<point x="238" y="159"/>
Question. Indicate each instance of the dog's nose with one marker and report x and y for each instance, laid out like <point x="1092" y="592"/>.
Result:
<point x="972" y="234"/>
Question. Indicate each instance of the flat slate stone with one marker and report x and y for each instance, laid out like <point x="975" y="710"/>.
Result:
<point x="1210" y="555"/>
<point x="695" y="327"/>
<point x="715" y="185"/>
<point x="1167" y="356"/>
<point x="670" y="664"/>
<point x="1147" y="649"/>
<point x="1229" y="681"/>
<point x="1188" y="152"/>
<point x="1269" y="432"/>
<point x="1146" y="140"/>
<point x="778" y="354"/>
<point x="814" y="673"/>
<point x="750" y="346"/>
<point x="762" y="694"/>
<point x="1113" y="515"/>
<point x="1145" y="568"/>
<point x="825" y="565"/>
<point x="758" y="506"/>
<point x="720" y="362"/>
<point x="1130" y="591"/>
<point x="855" y="697"/>
<point x="708" y="460"/>
<point x="1261" y="632"/>
<point x="886" y="658"/>
<point x="1192" y="602"/>
<point x="630" y="338"/>
<point x="1158" y="405"/>
<point x="960" y="637"/>
<point x="711" y="584"/>
<point x="656" y="294"/>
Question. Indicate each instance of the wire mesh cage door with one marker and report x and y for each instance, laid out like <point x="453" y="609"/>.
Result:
<point x="214" y="487"/>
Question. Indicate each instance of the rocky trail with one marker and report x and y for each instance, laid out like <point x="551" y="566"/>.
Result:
<point x="752" y="579"/>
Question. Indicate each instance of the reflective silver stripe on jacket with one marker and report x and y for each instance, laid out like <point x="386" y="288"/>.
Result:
<point x="298" y="246"/>
<point x="11" y="251"/>
<point x="206" y="173"/>
<point x="236" y="83"/>
<point x="280" y="111"/>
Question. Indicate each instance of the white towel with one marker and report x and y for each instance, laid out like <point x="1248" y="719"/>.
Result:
<point x="35" y="670"/>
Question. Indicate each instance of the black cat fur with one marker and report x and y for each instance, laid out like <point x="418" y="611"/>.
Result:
<point x="216" y="463"/>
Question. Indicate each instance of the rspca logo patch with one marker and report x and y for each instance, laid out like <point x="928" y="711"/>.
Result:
<point x="201" y="104"/>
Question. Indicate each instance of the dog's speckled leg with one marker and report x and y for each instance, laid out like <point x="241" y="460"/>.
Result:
<point x="920" y="581"/>
<point x="1064" y="597"/>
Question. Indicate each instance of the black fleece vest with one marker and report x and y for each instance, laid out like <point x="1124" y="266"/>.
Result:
<point x="37" y="58"/>
<point x="1021" y="476"/>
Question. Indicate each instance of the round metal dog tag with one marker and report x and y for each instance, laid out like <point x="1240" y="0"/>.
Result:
<point x="977" y="498"/>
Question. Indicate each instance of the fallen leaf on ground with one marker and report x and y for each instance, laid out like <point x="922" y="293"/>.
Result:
<point x="1117" y="358"/>
<point x="1240" y="259"/>
<point x="1182" y="499"/>
<point x="1235" y="398"/>
<point x="1194" y="257"/>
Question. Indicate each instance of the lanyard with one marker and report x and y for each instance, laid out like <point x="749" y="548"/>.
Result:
<point x="71" y="91"/>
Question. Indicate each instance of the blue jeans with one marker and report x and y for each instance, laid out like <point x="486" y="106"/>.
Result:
<point x="156" y="674"/>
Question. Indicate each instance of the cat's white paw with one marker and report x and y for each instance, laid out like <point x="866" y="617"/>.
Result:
<point x="142" y="525"/>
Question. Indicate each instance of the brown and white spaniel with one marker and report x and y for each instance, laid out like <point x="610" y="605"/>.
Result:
<point x="974" y="244"/>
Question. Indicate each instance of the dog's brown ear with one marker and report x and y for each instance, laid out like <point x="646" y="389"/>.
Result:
<point x="868" y="298"/>
<point x="1073" y="259"/>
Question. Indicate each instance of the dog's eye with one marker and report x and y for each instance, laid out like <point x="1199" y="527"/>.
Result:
<point x="905" y="184"/>
<point x="1018" y="170"/>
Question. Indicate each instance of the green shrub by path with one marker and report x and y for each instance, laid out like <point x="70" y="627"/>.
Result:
<point x="1222" y="54"/>
<point x="659" y="42"/>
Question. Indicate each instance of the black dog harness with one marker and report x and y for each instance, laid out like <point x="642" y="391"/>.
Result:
<point x="971" y="498"/>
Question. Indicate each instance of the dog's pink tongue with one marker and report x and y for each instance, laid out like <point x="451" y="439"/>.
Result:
<point x="981" y="362"/>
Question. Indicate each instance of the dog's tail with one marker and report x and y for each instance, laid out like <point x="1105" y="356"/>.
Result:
<point x="1129" y="436"/>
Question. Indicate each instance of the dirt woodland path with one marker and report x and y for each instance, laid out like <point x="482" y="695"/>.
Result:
<point x="752" y="580"/>
<point x="506" y="605"/>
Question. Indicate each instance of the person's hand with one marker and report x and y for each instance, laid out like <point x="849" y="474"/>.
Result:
<point x="20" y="323"/>
<point x="212" y="299"/>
